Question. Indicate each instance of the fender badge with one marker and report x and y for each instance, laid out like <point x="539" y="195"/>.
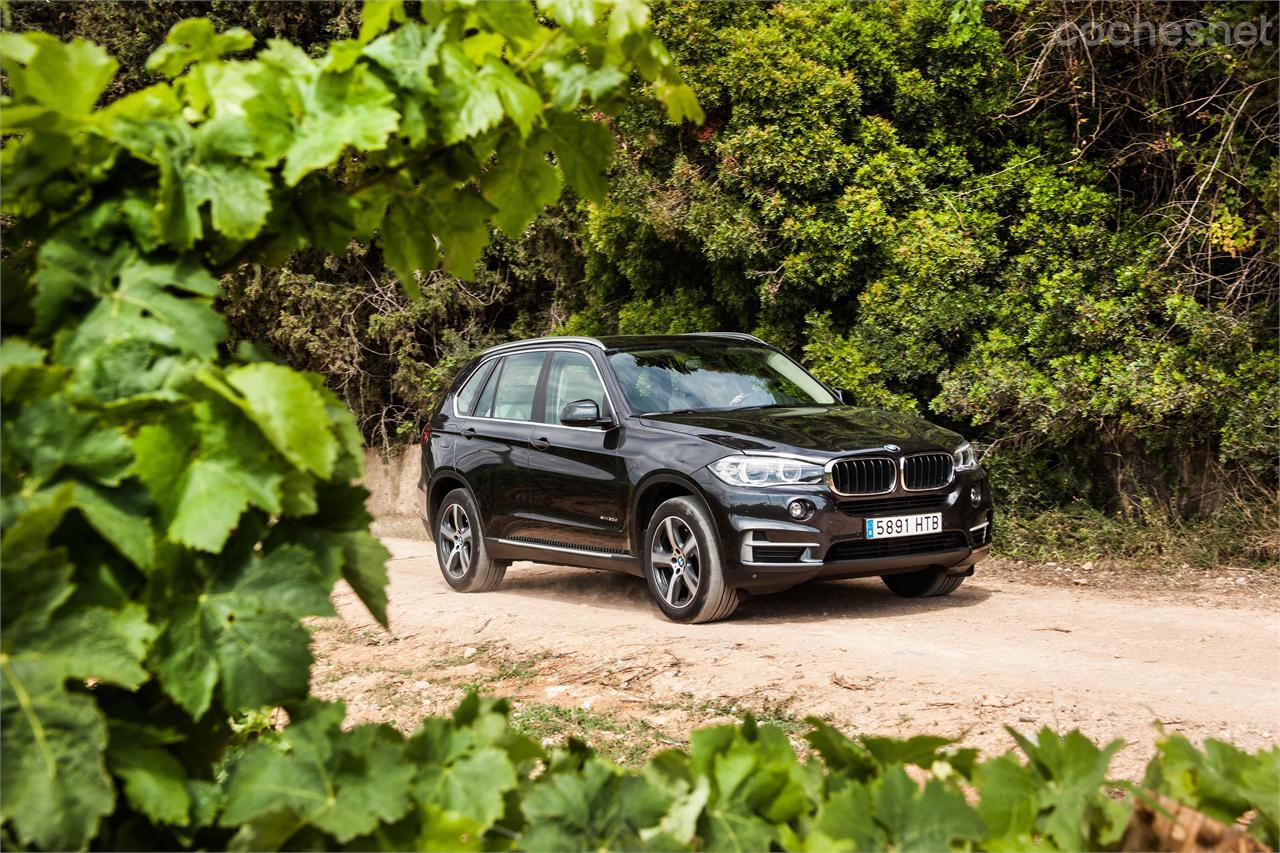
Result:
<point x="892" y="448"/>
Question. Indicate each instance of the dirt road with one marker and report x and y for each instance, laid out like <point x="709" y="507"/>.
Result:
<point x="997" y="652"/>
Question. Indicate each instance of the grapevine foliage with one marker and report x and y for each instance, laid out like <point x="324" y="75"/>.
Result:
<point x="172" y="511"/>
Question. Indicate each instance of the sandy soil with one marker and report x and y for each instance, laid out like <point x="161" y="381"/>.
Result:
<point x="997" y="652"/>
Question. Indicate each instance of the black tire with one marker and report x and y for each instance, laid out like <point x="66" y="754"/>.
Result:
<point x="927" y="583"/>
<point x="460" y="551"/>
<point x="694" y="556"/>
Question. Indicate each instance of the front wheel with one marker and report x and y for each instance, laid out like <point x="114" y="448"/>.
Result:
<point x="460" y="550"/>
<point x="683" y="565"/>
<point x="926" y="583"/>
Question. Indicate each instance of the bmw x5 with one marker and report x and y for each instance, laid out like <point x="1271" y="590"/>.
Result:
<point x="711" y="465"/>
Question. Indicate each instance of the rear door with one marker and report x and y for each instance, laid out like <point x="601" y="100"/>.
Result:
<point x="494" y="443"/>
<point x="577" y="477"/>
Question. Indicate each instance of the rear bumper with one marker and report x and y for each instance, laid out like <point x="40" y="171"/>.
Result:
<point x="766" y="550"/>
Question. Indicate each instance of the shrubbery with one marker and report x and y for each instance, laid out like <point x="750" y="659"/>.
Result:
<point x="1066" y="253"/>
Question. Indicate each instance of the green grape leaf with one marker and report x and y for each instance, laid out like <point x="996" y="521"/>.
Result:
<point x="921" y="750"/>
<point x="446" y="832"/>
<point x="572" y="81"/>
<point x="461" y="222"/>
<point x="54" y="788"/>
<point x="680" y="101"/>
<point x="344" y="784"/>
<point x="932" y="819"/>
<point x="122" y="517"/>
<point x="339" y="540"/>
<point x="472" y="786"/>
<point x="154" y="782"/>
<point x="242" y="632"/>
<point x="107" y="645"/>
<point x="168" y="304"/>
<point x="210" y="499"/>
<point x="1071" y="769"/>
<point x="469" y="102"/>
<point x="845" y="758"/>
<point x="67" y="78"/>
<point x="239" y="193"/>
<point x="65" y="267"/>
<point x="1009" y="803"/>
<point x="514" y="21"/>
<point x="203" y="474"/>
<point x="406" y="245"/>
<point x="845" y="822"/>
<point x="290" y="413"/>
<point x="597" y="808"/>
<point x="51" y="436"/>
<point x="521" y="101"/>
<point x="408" y="54"/>
<point x="520" y="184"/>
<point x="583" y="149"/>
<point x="339" y="110"/>
<point x="194" y="40"/>
<point x="376" y="16"/>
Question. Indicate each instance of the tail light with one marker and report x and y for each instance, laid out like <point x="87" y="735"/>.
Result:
<point x="426" y="434"/>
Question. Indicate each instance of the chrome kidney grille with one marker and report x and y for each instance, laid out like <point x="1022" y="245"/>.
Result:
<point x="874" y="476"/>
<point x="927" y="471"/>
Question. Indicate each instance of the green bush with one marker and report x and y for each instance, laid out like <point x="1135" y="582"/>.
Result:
<point x="470" y="783"/>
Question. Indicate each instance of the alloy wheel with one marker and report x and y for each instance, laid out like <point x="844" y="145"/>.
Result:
<point x="676" y="562"/>
<point x="455" y="538"/>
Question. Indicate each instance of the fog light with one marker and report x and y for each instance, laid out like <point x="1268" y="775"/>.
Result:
<point x="975" y="494"/>
<point x="800" y="509"/>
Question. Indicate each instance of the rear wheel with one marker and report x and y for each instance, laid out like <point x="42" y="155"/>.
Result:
<point x="460" y="550"/>
<point x="926" y="583"/>
<point x="683" y="565"/>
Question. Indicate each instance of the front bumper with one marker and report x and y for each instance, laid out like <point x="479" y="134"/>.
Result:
<point x="765" y="549"/>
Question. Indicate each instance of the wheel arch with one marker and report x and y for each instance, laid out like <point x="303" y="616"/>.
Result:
<point x="442" y="484"/>
<point x="652" y="493"/>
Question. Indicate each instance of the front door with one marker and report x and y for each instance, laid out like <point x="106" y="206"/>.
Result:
<point x="577" y="478"/>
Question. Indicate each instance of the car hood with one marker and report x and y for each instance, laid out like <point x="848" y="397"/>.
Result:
<point x="817" y="430"/>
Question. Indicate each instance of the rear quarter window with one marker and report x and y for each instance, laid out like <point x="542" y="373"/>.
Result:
<point x="466" y="398"/>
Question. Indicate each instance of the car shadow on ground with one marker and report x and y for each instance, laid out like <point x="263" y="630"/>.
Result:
<point x="817" y="601"/>
<point x="864" y="598"/>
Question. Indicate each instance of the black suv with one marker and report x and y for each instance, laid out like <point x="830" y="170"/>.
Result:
<point x="712" y="465"/>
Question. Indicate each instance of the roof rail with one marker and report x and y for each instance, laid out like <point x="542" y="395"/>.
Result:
<point x="741" y="336"/>
<point x="554" y="339"/>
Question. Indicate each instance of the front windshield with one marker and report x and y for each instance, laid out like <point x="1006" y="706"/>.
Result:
<point x="704" y="377"/>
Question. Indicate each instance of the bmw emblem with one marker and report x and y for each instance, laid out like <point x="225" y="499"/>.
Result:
<point x="892" y="448"/>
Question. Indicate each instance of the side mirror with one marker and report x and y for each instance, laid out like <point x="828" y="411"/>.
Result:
<point x="845" y="396"/>
<point x="583" y="413"/>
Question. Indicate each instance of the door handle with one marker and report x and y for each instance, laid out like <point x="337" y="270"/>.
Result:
<point x="469" y="433"/>
<point x="541" y="443"/>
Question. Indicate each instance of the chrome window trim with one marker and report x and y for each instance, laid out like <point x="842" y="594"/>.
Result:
<point x="453" y="402"/>
<point x="902" y="464"/>
<point x="831" y="484"/>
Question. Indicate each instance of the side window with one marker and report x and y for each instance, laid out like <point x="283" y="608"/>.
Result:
<point x="467" y="396"/>
<point x="515" y="386"/>
<point x="572" y="377"/>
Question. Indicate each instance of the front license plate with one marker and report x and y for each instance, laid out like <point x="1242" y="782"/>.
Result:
<point x="904" y="525"/>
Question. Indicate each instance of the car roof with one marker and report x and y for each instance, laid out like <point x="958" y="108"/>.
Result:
<point x="628" y="342"/>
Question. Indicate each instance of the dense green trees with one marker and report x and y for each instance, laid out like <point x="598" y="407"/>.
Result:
<point x="920" y="204"/>
<point x="1066" y="250"/>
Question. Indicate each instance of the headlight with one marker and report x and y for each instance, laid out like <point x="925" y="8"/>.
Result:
<point x="766" y="471"/>
<point x="965" y="458"/>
